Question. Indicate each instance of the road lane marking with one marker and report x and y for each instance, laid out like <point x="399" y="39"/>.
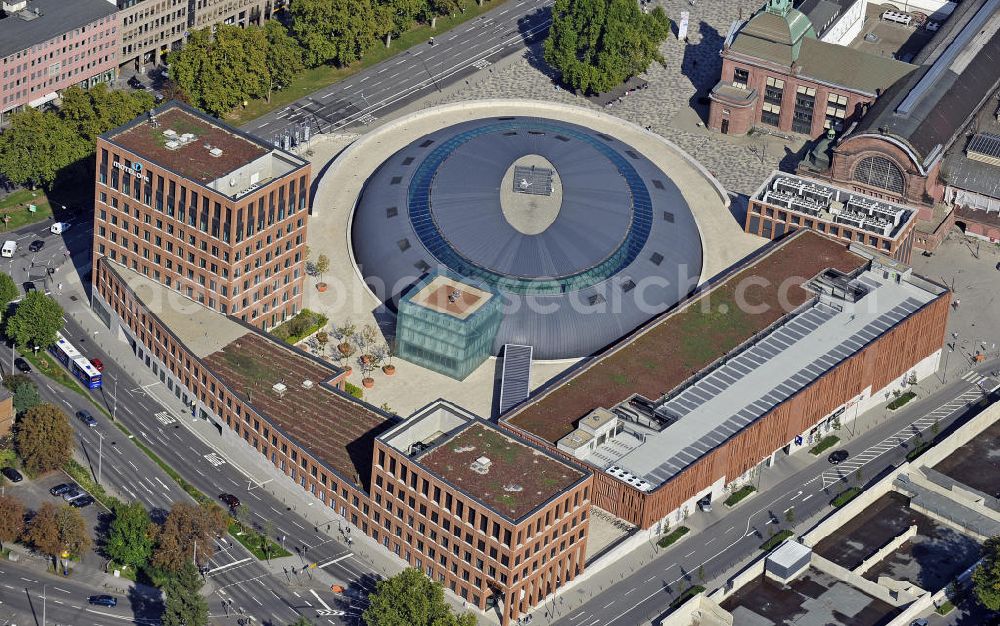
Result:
<point x="320" y="600"/>
<point x="336" y="560"/>
<point x="227" y="565"/>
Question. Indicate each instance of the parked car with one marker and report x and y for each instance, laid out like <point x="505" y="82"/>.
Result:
<point x="229" y="500"/>
<point x="98" y="364"/>
<point x="705" y="504"/>
<point x="29" y="286"/>
<point x="22" y="365"/>
<point x="61" y="488"/>
<point x="103" y="600"/>
<point x="72" y="494"/>
<point x="36" y="245"/>
<point x="838" y="457"/>
<point x="79" y="503"/>
<point x="12" y="474"/>
<point x="86" y="418"/>
<point x="59" y="228"/>
<point x="135" y="83"/>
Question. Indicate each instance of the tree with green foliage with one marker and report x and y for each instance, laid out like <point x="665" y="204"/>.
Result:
<point x="284" y="57"/>
<point x="11" y="519"/>
<point x="184" y="604"/>
<point x="35" y="321"/>
<point x="25" y="392"/>
<point x="43" y="438"/>
<point x="8" y="291"/>
<point x="447" y="7"/>
<point x="36" y="146"/>
<point x="339" y="32"/>
<point x="599" y="44"/>
<point x="986" y="577"/>
<point x="411" y="599"/>
<point x="99" y="109"/>
<point x="130" y="536"/>
<point x="219" y="71"/>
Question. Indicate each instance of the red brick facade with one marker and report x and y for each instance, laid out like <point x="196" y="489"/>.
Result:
<point x="745" y="113"/>
<point x="241" y="257"/>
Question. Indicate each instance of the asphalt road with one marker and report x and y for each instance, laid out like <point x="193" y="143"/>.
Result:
<point x="25" y="596"/>
<point x="241" y="585"/>
<point x="645" y="594"/>
<point x="456" y="54"/>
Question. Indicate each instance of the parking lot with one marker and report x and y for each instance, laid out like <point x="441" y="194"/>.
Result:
<point x="33" y="493"/>
<point x="813" y="599"/>
<point x="852" y="543"/>
<point x="977" y="463"/>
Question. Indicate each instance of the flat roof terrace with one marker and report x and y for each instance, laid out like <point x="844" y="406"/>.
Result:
<point x="519" y="477"/>
<point x="682" y="342"/>
<point x="333" y="427"/>
<point x="753" y="382"/>
<point x="228" y="150"/>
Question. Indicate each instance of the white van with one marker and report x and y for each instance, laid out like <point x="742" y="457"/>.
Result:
<point x="59" y="228"/>
<point x="9" y="248"/>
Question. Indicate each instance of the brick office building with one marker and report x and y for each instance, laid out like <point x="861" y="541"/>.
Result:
<point x="765" y="362"/>
<point x="49" y="45"/>
<point x="499" y="522"/>
<point x="206" y="210"/>
<point x="784" y="203"/>
<point x="776" y="74"/>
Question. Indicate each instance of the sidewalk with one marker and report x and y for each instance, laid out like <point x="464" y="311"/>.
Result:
<point x="80" y="572"/>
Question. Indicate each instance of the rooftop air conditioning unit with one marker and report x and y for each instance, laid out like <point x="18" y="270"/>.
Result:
<point x="172" y="145"/>
<point x="13" y="6"/>
<point x="307" y="384"/>
<point x="170" y="133"/>
<point x="481" y="465"/>
<point x="187" y="137"/>
<point x="216" y="152"/>
<point x="279" y="388"/>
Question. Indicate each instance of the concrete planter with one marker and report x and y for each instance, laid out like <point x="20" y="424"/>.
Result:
<point x="389" y="370"/>
<point x="321" y="287"/>
<point x="368" y="382"/>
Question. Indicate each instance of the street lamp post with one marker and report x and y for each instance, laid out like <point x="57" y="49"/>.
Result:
<point x="100" y="455"/>
<point x="114" y="410"/>
<point x="44" y="601"/>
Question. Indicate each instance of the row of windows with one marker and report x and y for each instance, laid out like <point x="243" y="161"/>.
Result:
<point x="836" y="230"/>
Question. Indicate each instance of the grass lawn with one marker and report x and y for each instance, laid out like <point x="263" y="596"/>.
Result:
<point x="774" y="541"/>
<point x="845" y="496"/>
<point x="54" y="370"/>
<point x="14" y="209"/>
<point x="672" y="537"/>
<point x="737" y="496"/>
<point x="318" y="77"/>
<point x="305" y="323"/>
<point x="946" y="607"/>
<point x="686" y="595"/>
<point x="254" y="542"/>
<point x="824" y="444"/>
<point x="901" y="400"/>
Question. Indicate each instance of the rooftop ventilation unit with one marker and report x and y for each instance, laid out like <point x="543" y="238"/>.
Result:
<point x="13" y="6"/>
<point x="172" y="145"/>
<point x="170" y="133"/>
<point x="216" y="152"/>
<point x="307" y="384"/>
<point x="186" y="137"/>
<point x="481" y="465"/>
<point x="280" y="389"/>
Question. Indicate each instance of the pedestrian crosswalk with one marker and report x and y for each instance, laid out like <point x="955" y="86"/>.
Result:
<point x="973" y="377"/>
<point x="854" y="465"/>
<point x="165" y="418"/>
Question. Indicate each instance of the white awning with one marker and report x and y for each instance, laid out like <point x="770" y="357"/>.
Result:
<point x="37" y="102"/>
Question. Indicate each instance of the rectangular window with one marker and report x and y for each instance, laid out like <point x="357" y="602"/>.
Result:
<point x="836" y="111"/>
<point x="774" y="91"/>
<point x="805" y="100"/>
<point x="741" y="77"/>
<point x="770" y="114"/>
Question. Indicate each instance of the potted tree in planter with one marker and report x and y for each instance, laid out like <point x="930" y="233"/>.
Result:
<point x="322" y="265"/>
<point x="388" y="369"/>
<point x="366" y="369"/>
<point x="346" y="348"/>
<point x="366" y="343"/>
<point x="322" y="338"/>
